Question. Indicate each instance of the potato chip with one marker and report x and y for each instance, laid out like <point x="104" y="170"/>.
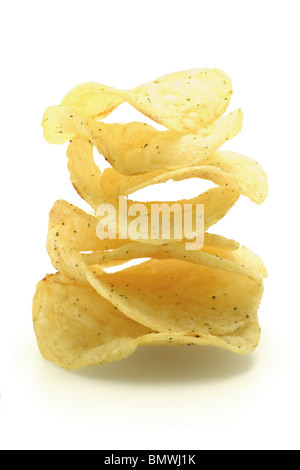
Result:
<point x="77" y="266"/>
<point x="82" y="232"/>
<point x="172" y="295"/>
<point x="71" y="230"/>
<point x="237" y="170"/>
<point x="71" y="226"/>
<point x="93" y="188"/>
<point x="80" y="229"/>
<point x="184" y="101"/>
<point x="87" y="180"/>
<point x="216" y="201"/>
<point x="223" y="168"/>
<point x="138" y="148"/>
<point x="241" y="261"/>
<point x="75" y="327"/>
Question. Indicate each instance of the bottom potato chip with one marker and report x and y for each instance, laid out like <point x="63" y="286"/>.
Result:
<point x="76" y="327"/>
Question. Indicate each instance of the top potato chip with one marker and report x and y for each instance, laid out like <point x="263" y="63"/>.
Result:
<point x="184" y="101"/>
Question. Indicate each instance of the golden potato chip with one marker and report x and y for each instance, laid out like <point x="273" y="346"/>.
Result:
<point x="75" y="327"/>
<point x="225" y="168"/>
<point x="93" y="187"/>
<point x="80" y="230"/>
<point x="70" y="225"/>
<point x="87" y="178"/>
<point x="216" y="201"/>
<point x="72" y="231"/>
<point x="241" y="261"/>
<point x="138" y="148"/>
<point x="87" y="268"/>
<point x="222" y="168"/>
<point x="172" y="295"/>
<point x="184" y="101"/>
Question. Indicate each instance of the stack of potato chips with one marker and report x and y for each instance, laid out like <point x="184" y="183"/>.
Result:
<point x="208" y="294"/>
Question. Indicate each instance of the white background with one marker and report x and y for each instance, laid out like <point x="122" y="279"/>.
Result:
<point x="159" y="398"/>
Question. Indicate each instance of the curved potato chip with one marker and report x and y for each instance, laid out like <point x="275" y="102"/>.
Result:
<point x="86" y="178"/>
<point x="216" y="201"/>
<point x="80" y="229"/>
<point x="187" y="297"/>
<point x="223" y="168"/>
<point x="76" y="327"/>
<point x="69" y="225"/>
<point x="96" y="188"/>
<point x="136" y="148"/>
<point x="241" y="261"/>
<point x="74" y="266"/>
<point x="184" y="101"/>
